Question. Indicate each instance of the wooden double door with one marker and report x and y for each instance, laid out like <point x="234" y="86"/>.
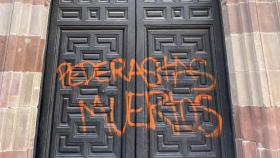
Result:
<point x="135" y="78"/>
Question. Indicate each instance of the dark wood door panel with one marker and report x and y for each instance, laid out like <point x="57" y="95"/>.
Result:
<point x="95" y="31"/>
<point x="185" y="110"/>
<point x="79" y="115"/>
<point x="176" y="116"/>
<point x="71" y="136"/>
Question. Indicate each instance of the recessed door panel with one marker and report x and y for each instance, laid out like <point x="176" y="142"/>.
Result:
<point x="181" y="122"/>
<point x="82" y="106"/>
<point x="82" y="110"/>
<point x="181" y="44"/>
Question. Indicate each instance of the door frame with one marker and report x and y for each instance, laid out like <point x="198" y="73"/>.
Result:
<point x="44" y="121"/>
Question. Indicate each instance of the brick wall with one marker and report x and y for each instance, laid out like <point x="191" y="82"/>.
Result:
<point x="22" y="40"/>
<point x="252" y="35"/>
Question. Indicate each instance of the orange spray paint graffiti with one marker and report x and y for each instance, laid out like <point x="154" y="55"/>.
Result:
<point x="67" y="75"/>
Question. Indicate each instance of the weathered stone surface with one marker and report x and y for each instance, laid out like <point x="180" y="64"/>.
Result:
<point x="258" y="124"/>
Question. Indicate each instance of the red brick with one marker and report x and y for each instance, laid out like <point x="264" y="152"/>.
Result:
<point x="34" y="2"/>
<point x="30" y="153"/>
<point x="258" y="124"/>
<point x="8" y="131"/>
<point x="6" y="1"/>
<point x="251" y="17"/>
<point x="239" y="148"/>
<point x="3" y="40"/>
<point x="17" y="77"/>
<point x="265" y="153"/>
<point x="13" y="154"/>
<point x="249" y="149"/>
<point x="22" y="129"/>
<point x="25" y="54"/>
<point x="5" y="89"/>
<point x="268" y="17"/>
